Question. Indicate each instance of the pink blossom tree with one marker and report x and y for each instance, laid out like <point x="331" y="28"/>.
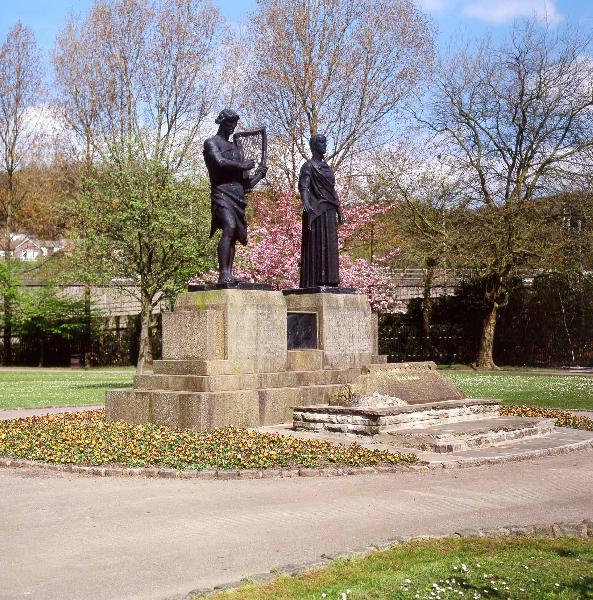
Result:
<point x="273" y="253"/>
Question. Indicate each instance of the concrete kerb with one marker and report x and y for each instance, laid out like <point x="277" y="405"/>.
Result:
<point x="209" y="474"/>
<point x="577" y="529"/>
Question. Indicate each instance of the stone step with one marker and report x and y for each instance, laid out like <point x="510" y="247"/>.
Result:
<point x="562" y="440"/>
<point x="203" y="367"/>
<point x="243" y="381"/>
<point x="461" y="436"/>
<point x="203" y="411"/>
<point x="372" y="421"/>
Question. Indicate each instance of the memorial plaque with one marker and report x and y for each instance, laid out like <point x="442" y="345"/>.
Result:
<point x="302" y="331"/>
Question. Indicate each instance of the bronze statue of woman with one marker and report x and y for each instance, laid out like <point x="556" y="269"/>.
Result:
<point x="321" y="214"/>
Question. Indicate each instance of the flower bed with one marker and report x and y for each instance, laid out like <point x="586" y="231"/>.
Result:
<point x="87" y="438"/>
<point x="563" y="418"/>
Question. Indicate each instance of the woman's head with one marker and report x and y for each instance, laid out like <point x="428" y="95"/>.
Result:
<point x="318" y="144"/>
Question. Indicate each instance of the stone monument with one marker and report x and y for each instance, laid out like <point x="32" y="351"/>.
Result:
<point x="242" y="354"/>
<point x="247" y="357"/>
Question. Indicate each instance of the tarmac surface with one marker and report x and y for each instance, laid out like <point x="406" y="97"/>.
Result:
<point x="66" y="536"/>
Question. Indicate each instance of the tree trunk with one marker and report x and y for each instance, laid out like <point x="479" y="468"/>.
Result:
<point x="7" y="335"/>
<point x="426" y="307"/>
<point x="41" y="353"/>
<point x="145" y="351"/>
<point x="485" y="359"/>
<point x="86" y="338"/>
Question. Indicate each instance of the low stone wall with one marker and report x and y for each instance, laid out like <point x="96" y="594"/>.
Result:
<point x="364" y="421"/>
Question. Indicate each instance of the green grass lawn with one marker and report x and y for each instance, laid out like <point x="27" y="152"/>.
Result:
<point x="31" y="388"/>
<point x="511" y="568"/>
<point x="22" y="388"/>
<point x="548" y="391"/>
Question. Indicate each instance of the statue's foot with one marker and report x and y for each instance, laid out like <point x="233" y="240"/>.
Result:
<point x="228" y="279"/>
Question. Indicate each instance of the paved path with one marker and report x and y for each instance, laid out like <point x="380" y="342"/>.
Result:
<point x="67" y="536"/>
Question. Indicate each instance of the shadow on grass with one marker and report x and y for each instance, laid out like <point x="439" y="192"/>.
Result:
<point x="583" y="588"/>
<point x="103" y="386"/>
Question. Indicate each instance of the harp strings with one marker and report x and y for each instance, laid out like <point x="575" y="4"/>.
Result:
<point x="251" y="147"/>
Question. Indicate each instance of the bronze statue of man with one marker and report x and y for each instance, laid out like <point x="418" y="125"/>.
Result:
<point x="228" y="185"/>
<point x="321" y="214"/>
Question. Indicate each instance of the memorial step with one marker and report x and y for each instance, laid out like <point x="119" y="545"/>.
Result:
<point x="373" y="421"/>
<point x="203" y="411"/>
<point x="462" y="436"/>
<point x="561" y="440"/>
<point x="243" y="381"/>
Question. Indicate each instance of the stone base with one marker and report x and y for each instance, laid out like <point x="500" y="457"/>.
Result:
<point x="237" y="285"/>
<point x="320" y="289"/>
<point x="374" y="421"/>
<point x="204" y="411"/>
<point x="226" y="359"/>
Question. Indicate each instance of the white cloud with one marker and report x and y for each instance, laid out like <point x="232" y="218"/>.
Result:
<point x="503" y="11"/>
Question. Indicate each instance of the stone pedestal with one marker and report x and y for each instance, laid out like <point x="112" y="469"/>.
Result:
<point x="226" y="359"/>
<point x="345" y="328"/>
<point x="243" y="327"/>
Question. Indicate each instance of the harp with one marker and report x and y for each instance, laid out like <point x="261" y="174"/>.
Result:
<point x="253" y="144"/>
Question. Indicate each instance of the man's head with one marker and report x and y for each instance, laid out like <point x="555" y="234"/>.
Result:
<point x="318" y="143"/>
<point x="227" y="119"/>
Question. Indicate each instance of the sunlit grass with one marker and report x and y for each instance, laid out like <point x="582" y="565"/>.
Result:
<point x="27" y="389"/>
<point x="445" y="569"/>
<point x="549" y="391"/>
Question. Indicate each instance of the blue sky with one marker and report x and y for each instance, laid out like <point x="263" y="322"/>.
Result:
<point x="452" y="17"/>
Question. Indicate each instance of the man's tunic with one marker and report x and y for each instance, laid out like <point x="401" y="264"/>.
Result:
<point x="227" y="185"/>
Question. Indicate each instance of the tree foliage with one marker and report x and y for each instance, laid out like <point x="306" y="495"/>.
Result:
<point x="145" y="226"/>
<point x="516" y="120"/>
<point x="337" y="67"/>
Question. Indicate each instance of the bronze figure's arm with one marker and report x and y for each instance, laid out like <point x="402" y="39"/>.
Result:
<point x="305" y="191"/>
<point x="213" y="151"/>
<point x="259" y="174"/>
<point x="341" y="220"/>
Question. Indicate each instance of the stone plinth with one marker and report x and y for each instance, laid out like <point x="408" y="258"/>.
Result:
<point x="391" y="397"/>
<point x="412" y="383"/>
<point x="345" y="328"/>
<point x="226" y="359"/>
<point x="236" y="325"/>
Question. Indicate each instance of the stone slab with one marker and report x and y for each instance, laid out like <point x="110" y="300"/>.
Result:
<point x="237" y="285"/>
<point x="407" y="382"/>
<point x="374" y="421"/>
<point x="193" y="335"/>
<point x="200" y="411"/>
<point x="461" y="436"/>
<point x="203" y="367"/>
<point x="204" y="411"/>
<point x="382" y="365"/>
<point x="305" y="360"/>
<point x="229" y="382"/>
